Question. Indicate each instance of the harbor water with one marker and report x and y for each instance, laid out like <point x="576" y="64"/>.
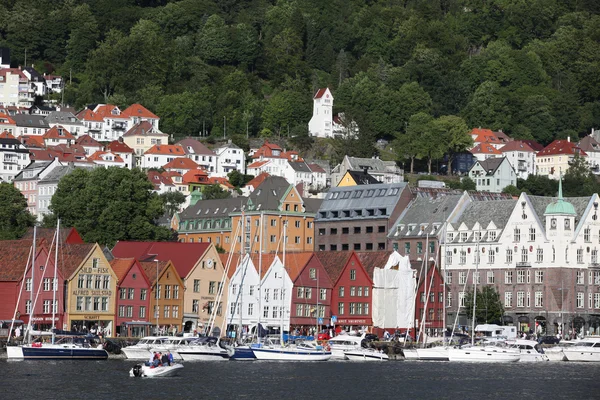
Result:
<point x="327" y="380"/>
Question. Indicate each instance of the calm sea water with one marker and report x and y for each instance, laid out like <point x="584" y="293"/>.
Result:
<point x="277" y="380"/>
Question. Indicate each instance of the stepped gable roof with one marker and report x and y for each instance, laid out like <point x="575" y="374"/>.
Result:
<point x="117" y="146"/>
<point x="382" y="196"/>
<point x="484" y="212"/>
<point x="70" y="257"/>
<point x="362" y="178"/>
<point x="67" y="235"/>
<point x="490" y="165"/>
<point x="121" y="267"/>
<point x="333" y="262"/>
<point x="517" y="145"/>
<point x="149" y="268"/>
<point x="316" y="168"/>
<point x="156" y="179"/>
<point x="373" y="259"/>
<point x="258" y="180"/>
<point x="589" y="144"/>
<point x="138" y="111"/>
<point x="213" y="208"/>
<point x="166" y="149"/>
<point x="181" y="163"/>
<point x="485" y="148"/>
<point x="183" y="255"/>
<point x="58" y="132"/>
<point x="99" y="156"/>
<point x="87" y="140"/>
<point x="193" y="146"/>
<point x="14" y="255"/>
<point x="30" y="121"/>
<point x="425" y="212"/>
<point x="560" y="147"/>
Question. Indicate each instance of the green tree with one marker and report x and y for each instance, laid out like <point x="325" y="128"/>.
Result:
<point x="488" y="107"/>
<point x="538" y="185"/>
<point x="238" y="179"/>
<point x="579" y="180"/>
<point x="14" y="216"/>
<point x="210" y="192"/>
<point x="172" y="201"/>
<point x="411" y="144"/>
<point x="453" y="133"/>
<point x="467" y="183"/>
<point x="83" y="37"/>
<point x="214" y="44"/>
<point x="512" y="190"/>
<point x="489" y="308"/>
<point x="106" y="205"/>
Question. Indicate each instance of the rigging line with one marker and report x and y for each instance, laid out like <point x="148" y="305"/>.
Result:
<point x="12" y="323"/>
<point x="39" y="289"/>
<point x="459" y="305"/>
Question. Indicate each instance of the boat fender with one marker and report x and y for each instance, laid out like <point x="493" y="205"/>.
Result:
<point x="327" y="347"/>
<point x="137" y="370"/>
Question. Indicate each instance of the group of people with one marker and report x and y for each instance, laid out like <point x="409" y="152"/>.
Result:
<point x="159" y="359"/>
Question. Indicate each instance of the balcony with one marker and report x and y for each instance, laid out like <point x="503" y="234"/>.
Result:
<point x="119" y="127"/>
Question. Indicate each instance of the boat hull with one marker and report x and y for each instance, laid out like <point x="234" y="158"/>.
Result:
<point x="555" y="355"/>
<point x="241" y="354"/>
<point x="55" y="353"/>
<point x="366" y="356"/>
<point x="204" y="355"/>
<point x="483" y="355"/>
<point x="156" y="372"/>
<point x="290" y="355"/>
<point x="433" y="354"/>
<point x="584" y="354"/>
<point x="136" y="353"/>
<point x="410" y="354"/>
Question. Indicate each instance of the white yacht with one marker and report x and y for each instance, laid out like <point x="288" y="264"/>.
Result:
<point x="368" y="354"/>
<point x="203" y="349"/>
<point x="343" y="343"/>
<point x="304" y="351"/>
<point x="435" y="353"/>
<point x="410" y="354"/>
<point x="173" y="344"/>
<point x="141" y="350"/>
<point x="484" y="353"/>
<point x="530" y="350"/>
<point x="587" y="349"/>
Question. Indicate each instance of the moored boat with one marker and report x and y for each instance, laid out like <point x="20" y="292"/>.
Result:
<point x="484" y="353"/>
<point x="367" y="354"/>
<point x="305" y="351"/>
<point x="141" y="350"/>
<point x="342" y="343"/>
<point x="203" y="349"/>
<point x="530" y="350"/>
<point x="587" y="350"/>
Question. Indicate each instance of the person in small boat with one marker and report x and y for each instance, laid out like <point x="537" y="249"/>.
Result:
<point x="164" y="360"/>
<point x="170" y="357"/>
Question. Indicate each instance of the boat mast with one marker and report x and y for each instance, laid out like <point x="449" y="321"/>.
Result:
<point x="55" y="280"/>
<point x="475" y="278"/>
<point x="317" y="311"/>
<point x="29" y="323"/>
<point x="242" y="251"/>
<point x="283" y="280"/>
<point x="442" y="249"/>
<point x="260" y="253"/>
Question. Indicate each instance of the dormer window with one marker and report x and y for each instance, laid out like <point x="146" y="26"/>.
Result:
<point x="463" y="236"/>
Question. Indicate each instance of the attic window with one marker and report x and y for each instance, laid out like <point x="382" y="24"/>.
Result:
<point x="346" y="195"/>
<point x="394" y="192"/>
<point x="357" y="194"/>
<point x="381" y="192"/>
<point x="335" y="195"/>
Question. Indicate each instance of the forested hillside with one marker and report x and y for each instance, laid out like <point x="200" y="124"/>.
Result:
<point x="528" y="67"/>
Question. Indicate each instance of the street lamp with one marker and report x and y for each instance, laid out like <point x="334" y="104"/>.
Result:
<point x="156" y="297"/>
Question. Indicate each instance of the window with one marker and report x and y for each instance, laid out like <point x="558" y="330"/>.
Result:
<point x="323" y="294"/>
<point x="143" y="293"/>
<point x="508" y="299"/>
<point x="517" y="235"/>
<point x="176" y="311"/>
<point x="251" y="290"/>
<point x="449" y="299"/>
<point x="234" y="289"/>
<point x="131" y="294"/>
<point x="232" y="308"/>
<point x="341" y="291"/>
<point x="352" y="291"/>
<point x="463" y="236"/>
<point x="491" y="256"/>
<point x="313" y="273"/>
<point x="521" y="276"/>
<point x="594" y="257"/>
<point x="407" y="248"/>
<point x="463" y="257"/>
<point x="462" y="300"/>
<point x="520" y="299"/>
<point x="47" y="284"/>
<point x="596" y="300"/>
<point x="476" y="277"/>
<point x="449" y="257"/>
<point x="448" y="277"/>
<point x="211" y="287"/>
<point x="266" y="297"/>
<point x="167" y="311"/>
<point x="106" y="282"/>
<point x="129" y="311"/>
<point x="596" y="277"/>
<point x="275" y="294"/>
<point x="340" y="308"/>
<point x="462" y="277"/>
<point x="175" y="291"/>
<point x="419" y="247"/>
<point x="580" y="277"/>
<point x="121" y="311"/>
<point x="539" y="299"/>
<point x="123" y="293"/>
<point x="579" y="256"/>
<point x="532" y="234"/>
<point x="300" y="292"/>
<point x="308" y="293"/>
<point x="299" y="309"/>
<point x="539" y="276"/>
<point x="508" y="277"/>
<point x="586" y="235"/>
<point x="142" y="312"/>
<point x="539" y="255"/>
<point x="352" y="309"/>
<point x="195" y="305"/>
<point x="490" y="277"/>
<point x="352" y="274"/>
<point x="359" y="291"/>
<point x="580" y="300"/>
<point x="196" y="285"/>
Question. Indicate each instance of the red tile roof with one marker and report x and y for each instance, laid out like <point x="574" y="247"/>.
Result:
<point x="58" y="132"/>
<point x="320" y="93"/>
<point x="9" y="120"/>
<point x="67" y="235"/>
<point x="196" y="176"/>
<point x="333" y="262"/>
<point x="258" y="164"/>
<point x="316" y="168"/>
<point x="89" y="115"/>
<point x="166" y="149"/>
<point x="517" y="145"/>
<point x="71" y="256"/>
<point x="13" y="71"/>
<point x="184" y="255"/>
<point x="157" y="179"/>
<point x="485" y="148"/>
<point x="217" y="180"/>
<point x="117" y="146"/>
<point x="181" y="163"/>
<point x="138" y="111"/>
<point x="6" y="135"/>
<point x="561" y="147"/>
<point x="143" y="128"/>
<point x="121" y="267"/>
<point x="149" y="268"/>
<point x="256" y="181"/>
<point x="14" y="256"/>
<point x="99" y="156"/>
<point x="106" y="111"/>
<point x="485" y="135"/>
<point x="533" y="144"/>
<point x="373" y="259"/>
<point x="87" y="140"/>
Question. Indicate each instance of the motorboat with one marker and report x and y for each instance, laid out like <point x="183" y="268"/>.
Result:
<point x="173" y="344"/>
<point x="531" y="351"/>
<point x="149" y="371"/>
<point x="484" y="353"/>
<point x="303" y="351"/>
<point x="555" y="353"/>
<point x="366" y="354"/>
<point x="72" y="347"/>
<point x="435" y="353"/>
<point x="587" y="350"/>
<point x="141" y="350"/>
<point x="203" y="349"/>
<point x="242" y="353"/>
<point x="343" y="343"/>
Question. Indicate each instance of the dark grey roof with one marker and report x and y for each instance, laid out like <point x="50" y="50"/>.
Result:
<point x="422" y="214"/>
<point x="62" y="117"/>
<point x="216" y="208"/>
<point x="299" y="166"/>
<point x="372" y="164"/>
<point x="36" y="166"/>
<point x="268" y="195"/>
<point x="491" y="165"/>
<point x="540" y="203"/>
<point x="5" y="55"/>
<point x="195" y="147"/>
<point x="485" y="212"/>
<point x="56" y="174"/>
<point x="312" y="205"/>
<point x="31" y="121"/>
<point x="35" y="76"/>
<point x="360" y="202"/>
<point x="362" y="178"/>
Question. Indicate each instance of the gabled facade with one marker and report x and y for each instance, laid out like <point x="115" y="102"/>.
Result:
<point x="311" y="297"/>
<point x="353" y="178"/>
<point x="199" y="153"/>
<point x="89" y="144"/>
<point x="133" y="311"/>
<point x="229" y="158"/>
<point x="58" y="135"/>
<point x="321" y="123"/>
<point x="159" y="155"/>
<point x="522" y="158"/>
<point x="68" y="121"/>
<point x="27" y="180"/>
<point x="118" y="147"/>
<point x="13" y="157"/>
<point x="555" y="158"/>
<point x="493" y="174"/>
<point x="383" y="171"/>
<point x="143" y="136"/>
<point x="46" y="187"/>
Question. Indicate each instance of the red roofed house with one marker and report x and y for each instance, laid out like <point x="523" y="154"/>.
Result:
<point x="138" y="113"/>
<point x="254" y="183"/>
<point x="496" y="139"/>
<point x="93" y="123"/>
<point x="177" y="180"/>
<point x="483" y="151"/>
<point x="200" y="268"/>
<point x="142" y="136"/>
<point x="133" y="300"/>
<point x="195" y="179"/>
<point x="160" y="154"/>
<point x="222" y="182"/>
<point x="521" y="156"/>
<point x="58" y="135"/>
<point x="115" y="124"/>
<point x="119" y="148"/>
<point x="107" y="159"/>
<point x="321" y="123"/>
<point x="7" y="124"/>
<point x="89" y="144"/>
<point x="162" y="184"/>
<point x="554" y="159"/>
<point x="181" y="165"/>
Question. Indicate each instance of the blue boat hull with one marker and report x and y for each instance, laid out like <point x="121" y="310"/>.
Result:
<point x="47" y="353"/>
<point x="243" y="354"/>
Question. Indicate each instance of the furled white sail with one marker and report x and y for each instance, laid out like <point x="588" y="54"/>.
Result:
<point x="394" y="294"/>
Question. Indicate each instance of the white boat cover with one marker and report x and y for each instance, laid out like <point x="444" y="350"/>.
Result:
<point x="394" y="293"/>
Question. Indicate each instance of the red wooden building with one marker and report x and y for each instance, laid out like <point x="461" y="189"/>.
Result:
<point x="133" y="311"/>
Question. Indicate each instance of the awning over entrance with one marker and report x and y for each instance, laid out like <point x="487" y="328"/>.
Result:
<point x="523" y="319"/>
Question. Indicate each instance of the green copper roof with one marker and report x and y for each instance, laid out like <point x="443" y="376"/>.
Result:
<point x="560" y="206"/>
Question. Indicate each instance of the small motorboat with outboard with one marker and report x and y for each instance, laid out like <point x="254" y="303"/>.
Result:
<point x="150" y="371"/>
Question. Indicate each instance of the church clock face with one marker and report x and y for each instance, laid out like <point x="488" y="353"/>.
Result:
<point x="553" y="223"/>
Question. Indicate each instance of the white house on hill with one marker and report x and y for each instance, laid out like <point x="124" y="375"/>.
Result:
<point x="321" y="123"/>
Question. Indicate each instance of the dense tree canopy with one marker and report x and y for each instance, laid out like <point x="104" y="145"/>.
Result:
<point x="489" y="308"/>
<point x="223" y="68"/>
<point x="14" y="216"/>
<point x="106" y="205"/>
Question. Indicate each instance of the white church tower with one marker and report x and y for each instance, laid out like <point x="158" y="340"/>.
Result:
<point x="321" y="123"/>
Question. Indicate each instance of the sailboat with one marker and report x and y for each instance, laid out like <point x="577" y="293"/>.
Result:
<point x="63" y="346"/>
<point x="280" y="351"/>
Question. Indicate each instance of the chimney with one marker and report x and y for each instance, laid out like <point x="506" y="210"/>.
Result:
<point x="568" y="138"/>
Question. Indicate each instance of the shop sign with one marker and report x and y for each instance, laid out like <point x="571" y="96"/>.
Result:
<point x="91" y="292"/>
<point x="90" y="270"/>
<point x="91" y="317"/>
<point x="344" y="321"/>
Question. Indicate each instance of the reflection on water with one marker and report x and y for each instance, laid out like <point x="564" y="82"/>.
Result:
<point x="275" y="380"/>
